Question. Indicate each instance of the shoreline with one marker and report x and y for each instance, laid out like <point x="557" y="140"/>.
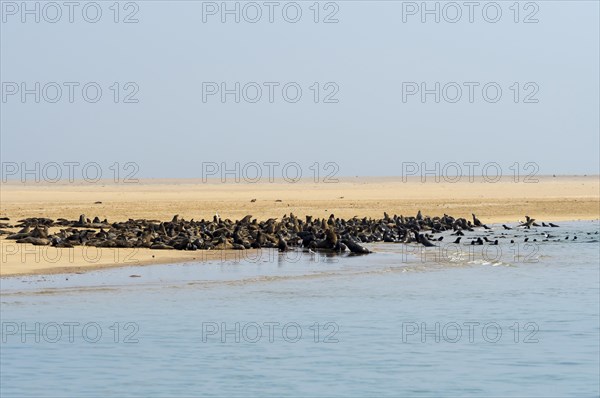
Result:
<point x="552" y="199"/>
<point x="103" y="258"/>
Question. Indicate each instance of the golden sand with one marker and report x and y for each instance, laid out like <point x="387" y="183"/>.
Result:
<point x="550" y="199"/>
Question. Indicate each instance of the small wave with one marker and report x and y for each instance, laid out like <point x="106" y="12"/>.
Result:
<point x="487" y="262"/>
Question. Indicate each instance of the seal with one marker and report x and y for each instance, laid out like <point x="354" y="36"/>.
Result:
<point x="354" y="246"/>
<point x="424" y="241"/>
<point x="282" y="244"/>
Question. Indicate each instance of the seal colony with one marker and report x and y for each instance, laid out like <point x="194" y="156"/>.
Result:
<point x="331" y="234"/>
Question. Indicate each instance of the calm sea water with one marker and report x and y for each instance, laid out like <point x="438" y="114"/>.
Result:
<point x="520" y="322"/>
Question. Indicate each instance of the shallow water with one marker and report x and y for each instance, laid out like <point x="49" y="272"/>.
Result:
<point x="520" y="322"/>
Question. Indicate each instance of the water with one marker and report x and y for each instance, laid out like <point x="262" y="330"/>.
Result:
<point x="368" y="325"/>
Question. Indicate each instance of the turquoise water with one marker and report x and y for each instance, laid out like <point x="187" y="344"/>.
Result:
<point x="367" y="323"/>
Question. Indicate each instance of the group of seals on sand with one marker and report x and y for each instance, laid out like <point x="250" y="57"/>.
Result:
<point x="332" y="234"/>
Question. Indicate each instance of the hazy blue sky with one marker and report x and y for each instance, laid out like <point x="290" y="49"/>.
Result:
<point x="369" y="56"/>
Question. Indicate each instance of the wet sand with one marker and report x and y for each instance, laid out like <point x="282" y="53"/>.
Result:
<point x="550" y="199"/>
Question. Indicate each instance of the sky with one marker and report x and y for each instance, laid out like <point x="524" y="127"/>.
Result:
<point x="349" y="88"/>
